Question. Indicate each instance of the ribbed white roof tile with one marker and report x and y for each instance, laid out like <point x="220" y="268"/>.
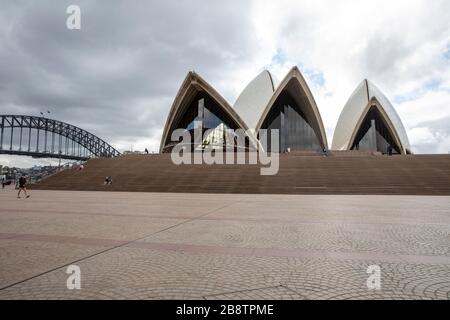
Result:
<point x="353" y="111"/>
<point x="251" y="102"/>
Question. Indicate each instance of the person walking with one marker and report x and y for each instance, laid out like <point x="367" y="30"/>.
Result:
<point x="22" y="187"/>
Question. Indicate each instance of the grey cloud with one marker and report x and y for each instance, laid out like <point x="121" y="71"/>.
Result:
<point x="441" y="131"/>
<point x="117" y="75"/>
<point x="440" y="125"/>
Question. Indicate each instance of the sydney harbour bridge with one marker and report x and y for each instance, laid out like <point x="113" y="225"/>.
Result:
<point x="42" y="137"/>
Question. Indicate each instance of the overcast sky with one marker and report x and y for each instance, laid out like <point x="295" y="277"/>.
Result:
<point x="118" y="75"/>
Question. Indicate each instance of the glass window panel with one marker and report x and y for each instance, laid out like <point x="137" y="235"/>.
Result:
<point x="374" y="134"/>
<point x="204" y="112"/>
<point x="295" y="131"/>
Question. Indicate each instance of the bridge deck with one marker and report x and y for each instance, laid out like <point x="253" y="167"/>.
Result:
<point x="44" y="155"/>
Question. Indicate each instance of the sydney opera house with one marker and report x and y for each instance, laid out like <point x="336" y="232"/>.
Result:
<point x="304" y="163"/>
<point x="368" y="121"/>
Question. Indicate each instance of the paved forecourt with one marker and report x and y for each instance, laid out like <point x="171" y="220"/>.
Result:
<point x="223" y="246"/>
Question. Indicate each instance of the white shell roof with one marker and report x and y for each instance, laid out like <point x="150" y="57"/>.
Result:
<point x="352" y="112"/>
<point x="192" y="84"/>
<point x="251" y="102"/>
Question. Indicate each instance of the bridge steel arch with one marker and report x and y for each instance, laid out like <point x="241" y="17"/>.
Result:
<point x="73" y="143"/>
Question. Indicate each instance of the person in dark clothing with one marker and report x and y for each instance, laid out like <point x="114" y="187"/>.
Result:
<point x="146" y="150"/>
<point x="22" y="187"/>
<point x="6" y="183"/>
<point x="389" y="150"/>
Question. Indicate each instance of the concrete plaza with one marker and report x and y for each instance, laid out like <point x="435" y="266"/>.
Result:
<point x="223" y="246"/>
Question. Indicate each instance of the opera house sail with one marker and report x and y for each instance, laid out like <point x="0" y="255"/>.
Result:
<point x="254" y="98"/>
<point x="369" y="122"/>
<point x="198" y="106"/>
<point x="293" y="111"/>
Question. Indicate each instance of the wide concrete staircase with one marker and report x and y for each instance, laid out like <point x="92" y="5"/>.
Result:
<point x="300" y="173"/>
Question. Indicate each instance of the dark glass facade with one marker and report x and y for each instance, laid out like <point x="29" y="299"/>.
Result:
<point x="205" y="113"/>
<point x="294" y="128"/>
<point x="374" y="134"/>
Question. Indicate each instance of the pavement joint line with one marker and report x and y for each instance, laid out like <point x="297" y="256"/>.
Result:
<point x="61" y="239"/>
<point x="10" y="237"/>
<point x="111" y="248"/>
<point x="236" y="251"/>
<point x="96" y="214"/>
<point x="268" y="220"/>
<point x="187" y="221"/>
